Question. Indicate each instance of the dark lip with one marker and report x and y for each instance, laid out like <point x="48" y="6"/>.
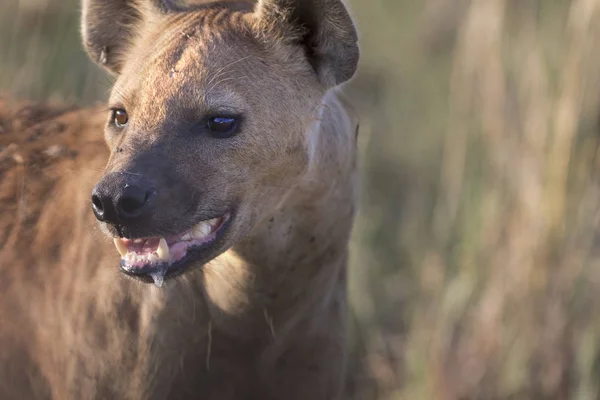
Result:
<point x="200" y="254"/>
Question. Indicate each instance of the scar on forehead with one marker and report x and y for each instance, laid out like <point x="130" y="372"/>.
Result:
<point x="187" y="36"/>
<point x="187" y="55"/>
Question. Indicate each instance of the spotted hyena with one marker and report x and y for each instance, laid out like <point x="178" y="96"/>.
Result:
<point x="228" y="182"/>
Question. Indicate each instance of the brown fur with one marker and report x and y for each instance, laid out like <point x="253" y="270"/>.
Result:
<point x="265" y="318"/>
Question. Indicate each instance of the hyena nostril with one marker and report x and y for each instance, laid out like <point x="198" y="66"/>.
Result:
<point x="97" y="206"/>
<point x="132" y="201"/>
<point x="120" y="198"/>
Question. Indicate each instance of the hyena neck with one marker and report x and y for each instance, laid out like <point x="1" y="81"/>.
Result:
<point x="293" y="263"/>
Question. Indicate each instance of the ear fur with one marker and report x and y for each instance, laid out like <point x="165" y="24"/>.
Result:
<point x="326" y="30"/>
<point x="108" y="27"/>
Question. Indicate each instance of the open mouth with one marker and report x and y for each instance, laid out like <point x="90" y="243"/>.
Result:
<point x="158" y="257"/>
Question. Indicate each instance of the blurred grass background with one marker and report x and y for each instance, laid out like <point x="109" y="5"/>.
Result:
<point x="475" y="268"/>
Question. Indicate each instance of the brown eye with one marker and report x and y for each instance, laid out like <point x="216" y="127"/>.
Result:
<point x="120" y="118"/>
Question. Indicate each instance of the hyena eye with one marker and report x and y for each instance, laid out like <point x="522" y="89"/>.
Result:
<point x="222" y="127"/>
<point x="120" y="118"/>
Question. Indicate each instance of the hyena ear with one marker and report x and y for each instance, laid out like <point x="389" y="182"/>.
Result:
<point x="326" y="30"/>
<point x="108" y="27"/>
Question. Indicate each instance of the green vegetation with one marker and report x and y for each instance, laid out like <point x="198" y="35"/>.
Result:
<point x="475" y="271"/>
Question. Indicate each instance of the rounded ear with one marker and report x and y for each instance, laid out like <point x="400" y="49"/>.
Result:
<point x="327" y="32"/>
<point x="108" y="27"/>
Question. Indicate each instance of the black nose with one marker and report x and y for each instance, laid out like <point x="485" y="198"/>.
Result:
<point x="121" y="198"/>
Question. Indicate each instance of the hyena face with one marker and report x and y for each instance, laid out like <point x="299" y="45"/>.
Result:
<point x="208" y="118"/>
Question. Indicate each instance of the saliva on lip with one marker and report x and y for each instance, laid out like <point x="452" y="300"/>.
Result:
<point x="158" y="276"/>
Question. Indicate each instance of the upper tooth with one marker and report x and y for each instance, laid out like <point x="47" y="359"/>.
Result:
<point x="163" y="249"/>
<point x="187" y="236"/>
<point x="213" y="221"/>
<point x="121" y="247"/>
<point x="202" y="230"/>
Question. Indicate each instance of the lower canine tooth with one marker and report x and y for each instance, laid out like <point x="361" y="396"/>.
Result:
<point x="121" y="247"/>
<point x="163" y="250"/>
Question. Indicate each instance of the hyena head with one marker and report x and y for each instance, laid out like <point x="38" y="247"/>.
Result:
<point x="208" y="117"/>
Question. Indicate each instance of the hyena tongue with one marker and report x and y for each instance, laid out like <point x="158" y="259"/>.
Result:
<point x="159" y="276"/>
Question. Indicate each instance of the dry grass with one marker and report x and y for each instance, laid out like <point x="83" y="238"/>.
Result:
<point x="503" y="281"/>
<point x="475" y="265"/>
